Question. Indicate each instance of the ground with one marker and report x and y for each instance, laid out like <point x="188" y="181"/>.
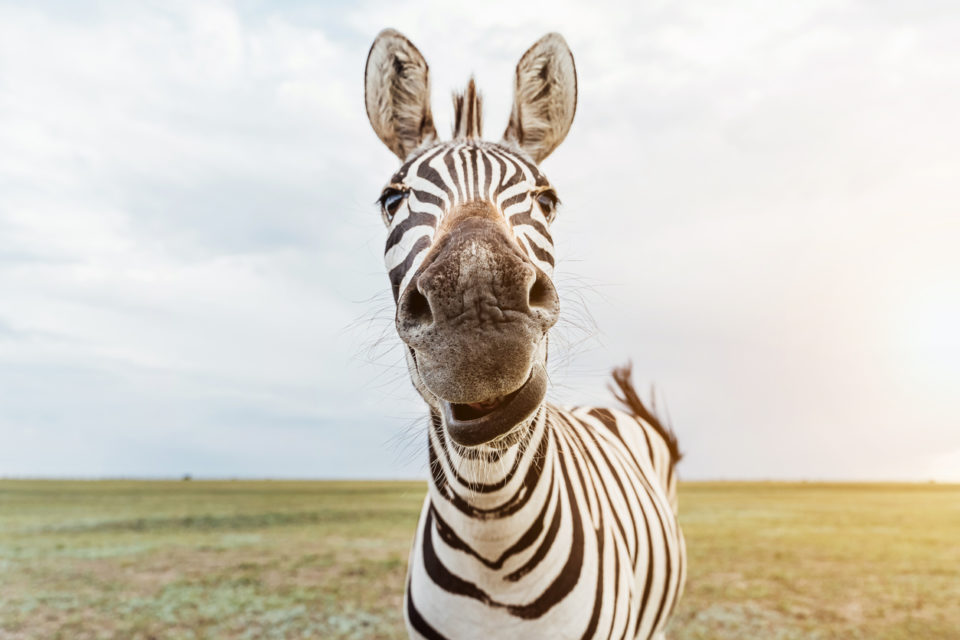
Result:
<point x="141" y="560"/>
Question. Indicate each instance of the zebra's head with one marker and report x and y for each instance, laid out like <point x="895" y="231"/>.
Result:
<point x="469" y="254"/>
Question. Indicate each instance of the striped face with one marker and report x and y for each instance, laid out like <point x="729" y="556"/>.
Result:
<point x="441" y="179"/>
<point x="470" y="258"/>
<point x="469" y="254"/>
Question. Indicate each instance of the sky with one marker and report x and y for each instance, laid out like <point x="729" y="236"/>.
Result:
<point x="760" y="211"/>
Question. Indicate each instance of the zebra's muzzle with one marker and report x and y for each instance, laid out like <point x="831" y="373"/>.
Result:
<point x="473" y="425"/>
<point x="476" y="315"/>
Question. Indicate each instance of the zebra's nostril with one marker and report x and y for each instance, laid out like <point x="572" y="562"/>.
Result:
<point x="417" y="309"/>
<point x="538" y="294"/>
<point x="542" y="294"/>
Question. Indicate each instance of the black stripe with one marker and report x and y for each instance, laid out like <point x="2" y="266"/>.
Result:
<point x="469" y="156"/>
<point x="521" y="161"/>
<point x="448" y="159"/>
<point x="487" y="174"/>
<point x="415" y="219"/>
<point x="514" y="199"/>
<point x="644" y="516"/>
<point x="648" y="488"/>
<point x="503" y="170"/>
<point x="598" y="594"/>
<point x="668" y="576"/>
<point x="558" y="589"/>
<point x="649" y="579"/>
<point x="544" y="547"/>
<point x="427" y="172"/>
<point x="515" y="503"/>
<point x="517" y="175"/>
<point x="399" y="271"/>
<point x="542" y="254"/>
<point x="598" y="472"/>
<point x="676" y="588"/>
<point x="424" y="154"/>
<point x="525" y="218"/>
<point x="443" y="577"/>
<point x="481" y="487"/>
<point x="589" y="456"/>
<point x="427" y="198"/>
<point x="606" y="417"/>
<point x="570" y="574"/>
<point x="416" y="620"/>
<point x="528" y="538"/>
<point x="665" y="544"/>
<point x="616" y="476"/>
<point x="436" y="468"/>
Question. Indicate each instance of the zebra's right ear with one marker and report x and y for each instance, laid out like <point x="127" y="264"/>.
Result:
<point x="544" y="99"/>
<point x="398" y="93"/>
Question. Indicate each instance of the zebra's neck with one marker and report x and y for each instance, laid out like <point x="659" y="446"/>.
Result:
<point x="490" y="493"/>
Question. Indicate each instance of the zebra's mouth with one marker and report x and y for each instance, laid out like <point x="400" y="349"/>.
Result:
<point x="473" y="424"/>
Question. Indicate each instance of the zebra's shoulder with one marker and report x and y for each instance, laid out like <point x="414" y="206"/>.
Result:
<point x="619" y="423"/>
<point x="635" y="437"/>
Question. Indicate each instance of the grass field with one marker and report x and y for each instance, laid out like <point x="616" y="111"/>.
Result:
<point x="141" y="560"/>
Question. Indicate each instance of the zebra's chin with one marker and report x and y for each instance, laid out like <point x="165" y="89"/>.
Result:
<point x="474" y="425"/>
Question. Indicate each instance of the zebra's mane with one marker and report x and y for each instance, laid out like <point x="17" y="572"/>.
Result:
<point x="629" y="397"/>
<point x="468" y="114"/>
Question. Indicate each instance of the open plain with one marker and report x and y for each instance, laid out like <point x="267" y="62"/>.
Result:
<point x="277" y="559"/>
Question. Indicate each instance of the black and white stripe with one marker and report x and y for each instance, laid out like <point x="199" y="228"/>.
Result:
<point x="566" y="528"/>
<point x="443" y="177"/>
<point x="570" y="534"/>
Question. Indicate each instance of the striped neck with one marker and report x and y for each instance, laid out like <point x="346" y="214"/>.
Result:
<point x="483" y="488"/>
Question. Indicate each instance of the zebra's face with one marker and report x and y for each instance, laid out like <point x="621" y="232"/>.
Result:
<point x="468" y="252"/>
<point x="470" y="259"/>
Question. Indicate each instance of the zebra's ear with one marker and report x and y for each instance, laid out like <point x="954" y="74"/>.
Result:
<point x="397" y="93"/>
<point x="545" y="97"/>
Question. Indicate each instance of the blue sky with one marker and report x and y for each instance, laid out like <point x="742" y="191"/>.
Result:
<point x="760" y="210"/>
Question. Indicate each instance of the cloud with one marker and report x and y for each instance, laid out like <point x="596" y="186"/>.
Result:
<point x="758" y="209"/>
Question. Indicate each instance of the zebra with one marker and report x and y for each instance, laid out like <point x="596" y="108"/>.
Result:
<point x="539" y="521"/>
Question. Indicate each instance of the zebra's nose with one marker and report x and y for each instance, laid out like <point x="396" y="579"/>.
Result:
<point x="477" y="277"/>
<point x="542" y="303"/>
<point x="476" y="313"/>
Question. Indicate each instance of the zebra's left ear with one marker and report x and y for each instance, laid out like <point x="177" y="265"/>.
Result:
<point x="545" y="97"/>
<point x="397" y="93"/>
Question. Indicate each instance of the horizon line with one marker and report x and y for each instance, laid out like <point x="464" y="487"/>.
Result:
<point x="321" y="479"/>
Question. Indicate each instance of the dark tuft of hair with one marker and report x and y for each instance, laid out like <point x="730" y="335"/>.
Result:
<point x="627" y="395"/>
<point x="468" y="113"/>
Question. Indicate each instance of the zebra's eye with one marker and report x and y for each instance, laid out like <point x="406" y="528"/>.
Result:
<point x="390" y="201"/>
<point x="548" y="202"/>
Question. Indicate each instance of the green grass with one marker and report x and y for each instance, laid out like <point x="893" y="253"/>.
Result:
<point x="140" y="560"/>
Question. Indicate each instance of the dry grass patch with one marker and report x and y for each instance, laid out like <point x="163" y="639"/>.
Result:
<point x="245" y="560"/>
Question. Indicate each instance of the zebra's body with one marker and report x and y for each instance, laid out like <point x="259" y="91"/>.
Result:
<point x="570" y="533"/>
<point x="540" y="522"/>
